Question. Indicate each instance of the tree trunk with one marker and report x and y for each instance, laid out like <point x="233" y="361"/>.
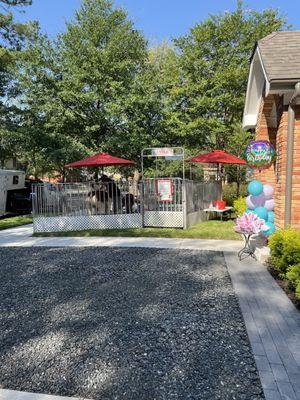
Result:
<point x="238" y="181"/>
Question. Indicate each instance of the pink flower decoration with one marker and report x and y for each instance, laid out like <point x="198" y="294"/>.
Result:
<point x="250" y="223"/>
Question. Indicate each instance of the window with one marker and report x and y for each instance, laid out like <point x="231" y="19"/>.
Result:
<point x="15" y="179"/>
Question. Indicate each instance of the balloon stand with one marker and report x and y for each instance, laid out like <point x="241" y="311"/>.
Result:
<point x="258" y="218"/>
<point x="247" y="250"/>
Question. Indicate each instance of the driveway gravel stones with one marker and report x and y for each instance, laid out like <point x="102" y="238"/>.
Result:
<point x="140" y="324"/>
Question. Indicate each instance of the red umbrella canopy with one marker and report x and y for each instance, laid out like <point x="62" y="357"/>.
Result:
<point x="218" y="157"/>
<point x="99" y="160"/>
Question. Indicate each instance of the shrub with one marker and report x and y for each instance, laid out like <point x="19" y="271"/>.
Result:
<point x="240" y="206"/>
<point x="298" y="291"/>
<point x="285" y="249"/>
<point x="229" y="192"/>
<point x="293" y="276"/>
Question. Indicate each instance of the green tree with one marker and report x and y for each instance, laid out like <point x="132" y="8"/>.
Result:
<point x="144" y="111"/>
<point x="100" y="53"/>
<point x="13" y="36"/>
<point x="74" y="86"/>
<point x="97" y="87"/>
<point x="237" y="145"/>
<point x="214" y="62"/>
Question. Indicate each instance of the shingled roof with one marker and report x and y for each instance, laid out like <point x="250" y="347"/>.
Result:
<point x="280" y="55"/>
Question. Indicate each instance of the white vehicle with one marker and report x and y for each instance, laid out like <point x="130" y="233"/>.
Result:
<point x="9" y="180"/>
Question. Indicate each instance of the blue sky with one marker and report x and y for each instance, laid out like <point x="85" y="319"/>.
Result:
<point x="158" y="19"/>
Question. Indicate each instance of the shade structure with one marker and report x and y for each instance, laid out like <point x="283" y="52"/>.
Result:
<point x="99" y="160"/>
<point x="218" y="157"/>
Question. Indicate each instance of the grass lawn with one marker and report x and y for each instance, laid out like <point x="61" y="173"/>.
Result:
<point x="14" y="221"/>
<point x="204" y="230"/>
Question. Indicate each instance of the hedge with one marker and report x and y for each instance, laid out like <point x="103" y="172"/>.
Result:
<point x="285" y="256"/>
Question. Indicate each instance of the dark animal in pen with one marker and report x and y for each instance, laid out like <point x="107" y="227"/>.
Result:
<point x="106" y="197"/>
<point x="99" y="199"/>
<point x="113" y="192"/>
<point x="128" y="203"/>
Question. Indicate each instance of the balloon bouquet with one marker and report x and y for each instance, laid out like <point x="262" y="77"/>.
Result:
<point x="261" y="202"/>
<point x="260" y="155"/>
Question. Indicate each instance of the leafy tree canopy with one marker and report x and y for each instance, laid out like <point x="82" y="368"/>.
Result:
<point x="214" y="62"/>
<point x="98" y="86"/>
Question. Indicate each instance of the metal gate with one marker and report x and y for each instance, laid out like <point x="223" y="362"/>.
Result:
<point x="163" y="202"/>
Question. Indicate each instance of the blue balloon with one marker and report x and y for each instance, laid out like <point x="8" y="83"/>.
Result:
<point x="271" y="229"/>
<point x="261" y="212"/>
<point x="255" y="188"/>
<point x="271" y="216"/>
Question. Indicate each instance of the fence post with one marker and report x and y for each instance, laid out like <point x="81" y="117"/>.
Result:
<point x="184" y="205"/>
<point x="142" y="203"/>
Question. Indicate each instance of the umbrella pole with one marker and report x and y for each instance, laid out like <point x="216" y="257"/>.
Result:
<point x="220" y="179"/>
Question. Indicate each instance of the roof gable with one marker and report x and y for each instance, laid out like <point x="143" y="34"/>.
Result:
<point x="280" y="55"/>
<point x="275" y="68"/>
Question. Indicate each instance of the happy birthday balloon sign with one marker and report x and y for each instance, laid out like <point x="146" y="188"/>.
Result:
<point x="260" y="154"/>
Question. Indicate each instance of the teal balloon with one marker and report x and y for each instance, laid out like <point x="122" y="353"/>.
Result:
<point x="271" y="216"/>
<point x="255" y="188"/>
<point x="271" y="229"/>
<point x="261" y="212"/>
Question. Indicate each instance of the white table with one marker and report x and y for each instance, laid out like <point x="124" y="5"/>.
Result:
<point x="217" y="211"/>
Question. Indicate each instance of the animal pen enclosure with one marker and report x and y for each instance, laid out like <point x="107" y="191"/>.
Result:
<point x="157" y="202"/>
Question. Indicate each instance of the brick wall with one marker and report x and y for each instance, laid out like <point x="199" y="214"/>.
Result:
<point x="276" y="174"/>
<point x="264" y="132"/>
<point x="296" y="172"/>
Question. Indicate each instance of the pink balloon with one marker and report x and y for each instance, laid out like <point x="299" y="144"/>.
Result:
<point x="258" y="201"/>
<point x="249" y="203"/>
<point x="268" y="192"/>
<point x="269" y="204"/>
<point x="255" y="201"/>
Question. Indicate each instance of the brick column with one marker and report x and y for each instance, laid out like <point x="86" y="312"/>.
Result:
<point x="281" y="146"/>
<point x="265" y="132"/>
<point x="296" y="173"/>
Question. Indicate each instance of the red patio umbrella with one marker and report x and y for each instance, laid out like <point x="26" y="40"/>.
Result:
<point x="99" y="160"/>
<point x="218" y="157"/>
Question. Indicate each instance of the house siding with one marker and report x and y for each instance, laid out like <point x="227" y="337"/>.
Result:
<point x="276" y="174"/>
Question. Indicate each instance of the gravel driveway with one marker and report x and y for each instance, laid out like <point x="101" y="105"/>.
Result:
<point x="142" y="324"/>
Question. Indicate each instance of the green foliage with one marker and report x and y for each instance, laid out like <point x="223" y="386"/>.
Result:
<point x="285" y="249"/>
<point x="98" y="87"/>
<point x="214" y="62"/>
<point x="144" y="110"/>
<point x="293" y="275"/>
<point x="73" y="90"/>
<point x="8" y="223"/>
<point x="240" y="206"/>
<point x="13" y="38"/>
<point x="230" y="192"/>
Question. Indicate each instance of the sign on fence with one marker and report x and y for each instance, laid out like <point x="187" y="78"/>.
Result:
<point x="162" y="152"/>
<point x="165" y="189"/>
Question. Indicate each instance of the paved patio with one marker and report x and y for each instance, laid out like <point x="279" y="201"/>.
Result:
<point x="22" y="237"/>
<point x="272" y="321"/>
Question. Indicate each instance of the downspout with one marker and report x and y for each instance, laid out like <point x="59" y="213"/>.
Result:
<point x="290" y="156"/>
